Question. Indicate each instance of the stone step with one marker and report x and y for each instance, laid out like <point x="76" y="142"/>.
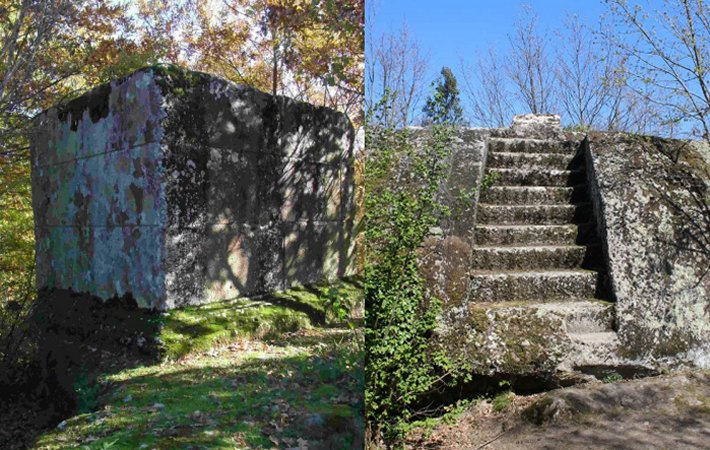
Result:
<point x="538" y="285"/>
<point x="534" y="214"/>
<point x="535" y="234"/>
<point x="532" y="145"/>
<point x="512" y="160"/>
<point x="584" y="316"/>
<point x="593" y="349"/>
<point x="579" y="317"/>
<point x="535" y="257"/>
<point x="534" y="195"/>
<point x="537" y="177"/>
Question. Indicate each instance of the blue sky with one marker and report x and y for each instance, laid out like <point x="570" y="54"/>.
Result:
<point x="448" y="29"/>
<point x="451" y="30"/>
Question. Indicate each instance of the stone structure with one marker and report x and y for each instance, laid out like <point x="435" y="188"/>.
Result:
<point x="181" y="188"/>
<point x="652" y="198"/>
<point x="586" y="252"/>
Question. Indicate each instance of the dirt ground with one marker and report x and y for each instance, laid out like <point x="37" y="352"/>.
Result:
<point x="664" y="412"/>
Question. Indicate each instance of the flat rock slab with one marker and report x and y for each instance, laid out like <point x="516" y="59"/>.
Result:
<point x="661" y="412"/>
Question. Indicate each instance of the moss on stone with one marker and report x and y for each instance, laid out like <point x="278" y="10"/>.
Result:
<point x="509" y="340"/>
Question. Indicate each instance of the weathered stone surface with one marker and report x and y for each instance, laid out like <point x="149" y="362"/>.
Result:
<point x="531" y="234"/>
<point x="445" y="263"/>
<point x="558" y="214"/>
<point x="541" y="126"/>
<point x="585" y="255"/>
<point x="180" y="188"/>
<point x="533" y="195"/>
<point x="540" y="285"/>
<point x="529" y="297"/>
<point x="531" y="176"/>
<point x="529" y="257"/>
<point x="446" y="254"/>
<point x="655" y="221"/>
<point x="510" y="340"/>
<point x="558" y="161"/>
<point x="460" y="192"/>
<point x="529" y="145"/>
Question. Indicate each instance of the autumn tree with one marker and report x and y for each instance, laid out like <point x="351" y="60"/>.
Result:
<point x="308" y="50"/>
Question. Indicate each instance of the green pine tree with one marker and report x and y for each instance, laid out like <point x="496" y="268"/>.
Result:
<point x="444" y="105"/>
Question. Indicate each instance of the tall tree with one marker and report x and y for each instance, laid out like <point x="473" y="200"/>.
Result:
<point x="529" y="65"/>
<point x="668" y="53"/>
<point x="396" y="65"/>
<point x="487" y="88"/>
<point x="444" y="104"/>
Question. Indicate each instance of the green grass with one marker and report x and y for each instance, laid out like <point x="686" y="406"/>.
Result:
<point x="198" y="328"/>
<point x="241" y="374"/>
<point x="502" y="401"/>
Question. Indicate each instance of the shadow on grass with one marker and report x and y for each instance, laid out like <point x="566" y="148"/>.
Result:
<point x="260" y="403"/>
<point x="77" y="337"/>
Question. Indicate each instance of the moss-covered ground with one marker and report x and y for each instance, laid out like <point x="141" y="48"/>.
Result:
<point x="279" y="372"/>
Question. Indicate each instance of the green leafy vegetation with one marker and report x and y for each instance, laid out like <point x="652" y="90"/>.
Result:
<point x="489" y="179"/>
<point x="402" y="365"/>
<point x="86" y="393"/>
<point x="612" y="378"/>
<point x="449" y="416"/>
<point x="16" y="253"/>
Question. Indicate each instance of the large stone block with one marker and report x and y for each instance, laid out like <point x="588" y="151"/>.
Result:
<point x="180" y="188"/>
<point x="653" y="209"/>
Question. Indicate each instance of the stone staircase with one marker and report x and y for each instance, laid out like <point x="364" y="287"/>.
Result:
<point x="537" y="246"/>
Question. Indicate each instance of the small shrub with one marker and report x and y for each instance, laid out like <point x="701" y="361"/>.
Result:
<point x="86" y="393"/>
<point x="612" y="378"/>
<point x="502" y="401"/>
<point x="489" y="179"/>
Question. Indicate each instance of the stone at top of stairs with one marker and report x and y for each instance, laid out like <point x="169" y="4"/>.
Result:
<point x="537" y="125"/>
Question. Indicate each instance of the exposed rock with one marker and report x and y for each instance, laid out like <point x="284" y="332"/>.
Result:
<point x="579" y="257"/>
<point x="671" y="411"/>
<point x="655" y="217"/>
<point x="537" y="126"/>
